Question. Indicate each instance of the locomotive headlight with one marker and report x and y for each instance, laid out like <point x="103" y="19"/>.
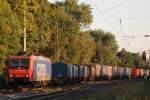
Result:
<point x="11" y="75"/>
<point x="27" y="75"/>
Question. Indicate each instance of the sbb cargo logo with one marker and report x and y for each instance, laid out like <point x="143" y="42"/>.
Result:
<point x="41" y="69"/>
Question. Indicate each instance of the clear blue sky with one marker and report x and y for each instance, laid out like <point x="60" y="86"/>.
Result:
<point x="123" y="18"/>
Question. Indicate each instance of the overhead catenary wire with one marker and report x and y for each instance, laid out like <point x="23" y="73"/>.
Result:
<point x="124" y="40"/>
<point x="122" y="31"/>
<point x="115" y="6"/>
<point x="108" y="11"/>
<point x="136" y="36"/>
<point x="128" y="18"/>
<point x="101" y="13"/>
<point x="107" y="7"/>
<point x="105" y="18"/>
<point x="120" y="21"/>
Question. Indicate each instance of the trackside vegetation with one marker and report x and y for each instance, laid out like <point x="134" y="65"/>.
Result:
<point x="130" y="90"/>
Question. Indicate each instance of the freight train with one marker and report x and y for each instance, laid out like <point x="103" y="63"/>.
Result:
<point x="39" y="70"/>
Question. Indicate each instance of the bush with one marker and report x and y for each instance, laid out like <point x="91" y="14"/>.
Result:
<point x="3" y="79"/>
<point x="3" y="82"/>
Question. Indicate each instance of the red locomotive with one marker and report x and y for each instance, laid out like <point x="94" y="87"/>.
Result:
<point x="29" y="69"/>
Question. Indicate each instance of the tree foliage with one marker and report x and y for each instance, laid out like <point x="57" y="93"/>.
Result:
<point x="106" y="47"/>
<point x="9" y="32"/>
<point x="128" y="59"/>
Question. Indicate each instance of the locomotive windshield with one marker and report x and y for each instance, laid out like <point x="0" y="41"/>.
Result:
<point x="14" y="63"/>
<point x="25" y="62"/>
<point x="18" y="63"/>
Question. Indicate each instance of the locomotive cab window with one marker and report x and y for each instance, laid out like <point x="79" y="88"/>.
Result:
<point x="14" y="63"/>
<point x="25" y="62"/>
<point x="19" y="63"/>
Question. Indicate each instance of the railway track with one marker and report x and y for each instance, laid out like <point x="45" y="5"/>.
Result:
<point x="45" y="96"/>
<point x="39" y="94"/>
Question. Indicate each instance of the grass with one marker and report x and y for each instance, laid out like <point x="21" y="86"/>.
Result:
<point x="131" y="90"/>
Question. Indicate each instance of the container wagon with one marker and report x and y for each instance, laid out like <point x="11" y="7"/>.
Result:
<point x="146" y="74"/>
<point x="85" y="73"/>
<point x="107" y="72"/>
<point x="136" y="73"/>
<point x="103" y="73"/>
<point x="124" y="73"/>
<point x="80" y="73"/>
<point x="114" y="72"/>
<point x="94" y="72"/>
<point x="62" y="73"/>
<point x="75" y="73"/>
<point x="141" y="73"/>
<point x="128" y="73"/>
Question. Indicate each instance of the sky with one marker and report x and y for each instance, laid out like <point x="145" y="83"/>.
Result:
<point x="123" y="18"/>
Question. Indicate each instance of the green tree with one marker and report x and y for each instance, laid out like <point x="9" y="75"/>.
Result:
<point x="65" y="25"/>
<point x="106" y="47"/>
<point x="85" y="46"/>
<point x="128" y="59"/>
<point x="9" y="32"/>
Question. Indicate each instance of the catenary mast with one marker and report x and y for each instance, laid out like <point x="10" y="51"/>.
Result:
<point x="24" y="27"/>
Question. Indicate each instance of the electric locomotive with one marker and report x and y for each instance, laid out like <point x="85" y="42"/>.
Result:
<point x="29" y="70"/>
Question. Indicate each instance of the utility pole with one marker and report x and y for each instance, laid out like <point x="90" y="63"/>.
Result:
<point x="57" y="41"/>
<point x="24" y="27"/>
<point x="149" y="58"/>
<point x="102" y="59"/>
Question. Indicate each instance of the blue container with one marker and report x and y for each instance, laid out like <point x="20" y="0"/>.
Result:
<point x="59" y="70"/>
<point x="63" y="73"/>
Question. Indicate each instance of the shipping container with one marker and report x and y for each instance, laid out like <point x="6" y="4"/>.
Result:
<point x="148" y="73"/>
<point x="94" y="72"/>
<point x="114" y="72"/>
<point x="107" y="72"/>
<point x="124" y="73"/>
<point x="128" y="73"/>
<point x="136" y="73"/>
<point x="120" y="72"/>
<point x="62" y="72"/>
<point x="145" y="74"/>
<point x="75" y="72"/>
<point x="81" y="72"/>
<point x="103" y="73"/>
<point x="141" y="73"/>
<point x="86" y="73"/>
<point x="98" y="70"/>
